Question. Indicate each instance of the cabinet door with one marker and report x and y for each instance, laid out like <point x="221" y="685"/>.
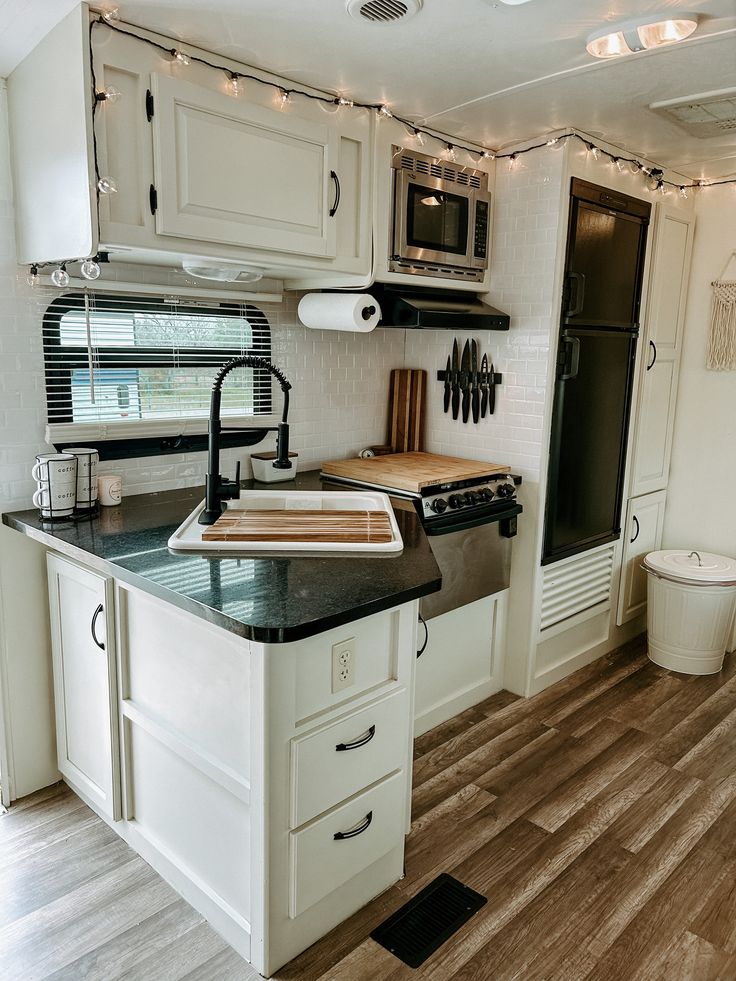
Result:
<point x="643" y="534"/>
<point x="236" y="173"/>
<point x="85" y="689"/>
<point x="668" y="291"/>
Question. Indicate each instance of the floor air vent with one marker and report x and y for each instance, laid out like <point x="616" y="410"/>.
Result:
<point x="422" y="925"/>
<point x="383" y="11"/>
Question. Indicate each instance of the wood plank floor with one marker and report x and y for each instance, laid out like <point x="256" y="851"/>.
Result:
<point x="599" y="818"/>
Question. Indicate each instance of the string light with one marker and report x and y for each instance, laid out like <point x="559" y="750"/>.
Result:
<point x="110" y="94"/>
<point x="33" y="279"/>
<point x="90" y="269"/>
<point x="110" y="16"/>
<point x="683" y="191"/>
<point x="60" y="277"/>
<point x="450" y="152"/>
<point x="107" y="185"/>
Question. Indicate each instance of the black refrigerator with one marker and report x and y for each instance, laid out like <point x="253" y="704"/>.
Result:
<point x="599" y="326"/>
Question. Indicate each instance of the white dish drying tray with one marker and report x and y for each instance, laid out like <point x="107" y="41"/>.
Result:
<point x="188" y="536"/>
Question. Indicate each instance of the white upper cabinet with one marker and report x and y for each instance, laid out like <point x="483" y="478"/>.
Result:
<point x="201" y="171"/>
<point x="232" y="172"/>
<point x="663" y="343"/>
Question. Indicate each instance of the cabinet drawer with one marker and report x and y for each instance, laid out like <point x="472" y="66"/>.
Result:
<point x="373" y="825"/>
<point x="337" y="761"/>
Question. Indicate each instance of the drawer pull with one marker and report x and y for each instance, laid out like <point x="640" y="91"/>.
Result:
<point x="358" y="830"/>
<point x="357" y="743"/>
<point x="94" y="624"/>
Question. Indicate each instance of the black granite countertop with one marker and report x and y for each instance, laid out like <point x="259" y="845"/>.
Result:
<point x="271" y="599"/>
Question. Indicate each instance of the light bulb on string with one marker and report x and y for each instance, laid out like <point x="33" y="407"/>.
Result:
<point x="385" y="111"/>
<point x="450" y="152"/>
<point x="283" y="98"/>
<point x="90" y="269"/>
<point x="181" y="56"/>
<point x="60" y="277"/>
<point x="109" y="94"/>
<point x="233" y="83"/>
<point x="662" y="188"/>
<point x="635" y="166"/>
<point x="342" y="101"/>
<point x="107" y="185"/>
<point x="419" y="137"/>
<point x="683" y="191"/>
<point x="487" y="155"/>
<point x="512" y="161"/>
<point x="110" y="14"/>
<point x="619" y="164"/>
<point x="33" y="279"/>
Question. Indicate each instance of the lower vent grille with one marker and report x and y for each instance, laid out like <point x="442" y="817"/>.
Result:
<point x="576" y="584"/>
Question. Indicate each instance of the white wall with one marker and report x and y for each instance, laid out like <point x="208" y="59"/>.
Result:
<point x="701" y="498"/>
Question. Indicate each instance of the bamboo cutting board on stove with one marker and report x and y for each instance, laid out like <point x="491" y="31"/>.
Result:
<point x="410" y="471"/>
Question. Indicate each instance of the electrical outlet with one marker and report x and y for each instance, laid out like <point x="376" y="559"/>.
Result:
<point x="343" y="664"/>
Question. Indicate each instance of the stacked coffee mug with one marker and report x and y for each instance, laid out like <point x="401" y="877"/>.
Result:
<point x="56" y="484"/>
<point x="66" y="482"/>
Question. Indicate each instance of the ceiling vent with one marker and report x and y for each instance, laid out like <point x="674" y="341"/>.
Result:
<point x="383" y="11"/>
<point x="706" y="115"/>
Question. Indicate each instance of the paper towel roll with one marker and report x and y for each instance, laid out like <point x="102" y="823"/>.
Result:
<point x="339" y="311"/>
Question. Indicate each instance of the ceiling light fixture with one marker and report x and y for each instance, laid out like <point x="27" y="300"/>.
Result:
<point x="640" y="33"/>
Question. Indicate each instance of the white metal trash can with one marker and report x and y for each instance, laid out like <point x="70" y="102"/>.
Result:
<point x="691" y="609"/>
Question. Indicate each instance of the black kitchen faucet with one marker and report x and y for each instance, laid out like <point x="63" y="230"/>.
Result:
<point x="217" y="488"/>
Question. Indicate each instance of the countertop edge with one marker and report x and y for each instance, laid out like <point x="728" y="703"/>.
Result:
<point x="261" y="635"/>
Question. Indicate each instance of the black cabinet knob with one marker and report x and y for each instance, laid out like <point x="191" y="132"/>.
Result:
<point x="439" y="506"/>
<point x="456" y="501"/>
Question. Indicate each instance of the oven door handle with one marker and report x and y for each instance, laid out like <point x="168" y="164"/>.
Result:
<point x="448" y="526"/>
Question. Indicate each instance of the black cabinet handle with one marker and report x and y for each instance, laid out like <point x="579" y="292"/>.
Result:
<point x="577" y="308"/>
<point x="363" y="826"/>
<point x="572" y="363"/>
<point x="638" y="529"/>
<point x="356" y="743"/>
<point x="94" y="624"/>
<point x="336" y="205"/>
<point x="654" y="356"/>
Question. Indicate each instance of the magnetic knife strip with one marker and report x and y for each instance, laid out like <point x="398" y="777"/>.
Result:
<point x="469" y="383"/>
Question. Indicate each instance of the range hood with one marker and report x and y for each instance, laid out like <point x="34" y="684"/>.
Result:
<point x="436" y="309"/>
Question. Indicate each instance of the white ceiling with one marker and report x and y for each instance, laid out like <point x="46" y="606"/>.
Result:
<point x="476" y="69"/>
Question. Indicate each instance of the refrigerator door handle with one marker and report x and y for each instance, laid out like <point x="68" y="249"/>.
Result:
<point x="572" y="359"/>
<point x="579" y="280"/>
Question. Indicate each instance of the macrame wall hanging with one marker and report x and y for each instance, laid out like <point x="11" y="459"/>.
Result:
<point x="722" y="343"/>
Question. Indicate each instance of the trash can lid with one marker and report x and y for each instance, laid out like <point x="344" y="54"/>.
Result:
<point x="699" y="568"/>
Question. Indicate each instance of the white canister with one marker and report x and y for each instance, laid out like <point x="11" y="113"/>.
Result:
<point x="56" y="500"/>
<point x="87" y="462"/>
<point x="110" y="489"/>
<point x="54" y="468"/>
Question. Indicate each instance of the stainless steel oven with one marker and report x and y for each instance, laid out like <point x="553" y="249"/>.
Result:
<point x="441" y="217"/>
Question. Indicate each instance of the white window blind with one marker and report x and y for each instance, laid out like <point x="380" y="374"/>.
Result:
<point x="119" y="367"/>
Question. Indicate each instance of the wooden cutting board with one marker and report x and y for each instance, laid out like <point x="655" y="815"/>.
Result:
<point x="301" y="526"/>
<point x="411" y="471"/>
<point x="407" y="397"/>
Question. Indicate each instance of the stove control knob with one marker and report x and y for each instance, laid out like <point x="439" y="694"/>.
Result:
<point x="505" y="490"/>
<point x="456" y="501"/>
<point x="439" y="506"/>
<point x="472" y="497"/>
<point x="486" y="494"/>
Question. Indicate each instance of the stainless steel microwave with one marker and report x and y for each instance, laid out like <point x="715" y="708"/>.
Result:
<point x="441" y="218"/>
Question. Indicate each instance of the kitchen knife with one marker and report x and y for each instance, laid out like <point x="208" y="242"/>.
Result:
<point x="474" y="381"/>
<point x="455" y="380"/>
<point x="492" y="397"/>
<point x="448" y="383"/>
<point x="465" y="380"/>
<point x="484" y="386"/>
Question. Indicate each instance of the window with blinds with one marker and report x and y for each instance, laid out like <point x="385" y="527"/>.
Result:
<point x="119" y="367"/>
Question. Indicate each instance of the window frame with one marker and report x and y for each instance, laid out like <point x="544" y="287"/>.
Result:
<point x="61" y="360"/>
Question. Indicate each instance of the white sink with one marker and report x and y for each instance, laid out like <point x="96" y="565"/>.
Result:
<point x="188" y="536"/>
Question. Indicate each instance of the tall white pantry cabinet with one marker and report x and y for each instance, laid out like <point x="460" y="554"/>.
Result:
<point x="655" y="418"/>
<point x="275" y="805"/>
